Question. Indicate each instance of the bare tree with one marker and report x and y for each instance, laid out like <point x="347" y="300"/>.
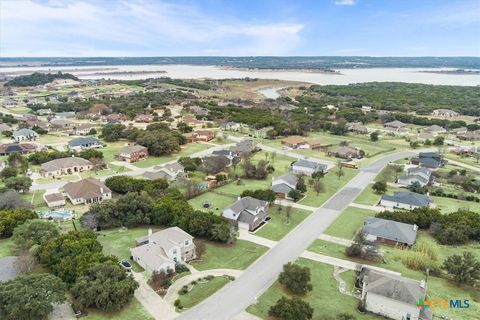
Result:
<point x="25" y="263"/>
<point x="279" y="209"/>
<point x="272" y="156"/>
<point x="288" y="214"/>
<point x="339" y="172"/>
<point x="318" y="186"/>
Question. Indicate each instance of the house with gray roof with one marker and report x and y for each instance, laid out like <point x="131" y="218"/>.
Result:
<point x="389" y="232"/>
<point x="405" y="200"/>
<point x="284" y="184"/>
<point x="243" y="148"/>
<point x="394" y="124"/>
<point x="24" y="134"/>
<point x="162" y="250"/>
<point x="84" y="143"/>
<point x="307" y="167"/>
<point x="421" y="175"/>
<point x="392" y="296"/>
<point x="168" y="172"/>
<point x="64" y="166"/>
<point x="247" y="212"/>
<point x="435" y="130"/>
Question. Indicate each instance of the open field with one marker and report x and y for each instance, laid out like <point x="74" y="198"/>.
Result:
<point x="223" y="256"/>
<point x="202" y="290"/>
<point x="277" y="227"/>
<point x="450" y="205"/>
<point x="349" y="222"/>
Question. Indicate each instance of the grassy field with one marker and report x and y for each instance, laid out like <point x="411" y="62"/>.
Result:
<point x="277" y="227"/>
<point x="186" y="151"/>
<point x="134" y="310"/>
<point x="369" y="197"/>
<point x="332" y="184"/>
<point x="7" y="247"/>
<point x="201" y="291"/>
<point x="217" y="202"/>
<point x="222" y="256"/>
<point x="325" y="297"/>
<point x="450" y="205"/>
<point x="349" y="222"/>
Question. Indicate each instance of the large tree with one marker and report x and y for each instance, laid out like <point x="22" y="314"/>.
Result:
<point x="20" y="183"/>
<point x="159" y="142"/>
<point x="295" y="278"/>
<point x="10" y="219"/>
<point x="465" y="268"/>
<point x="106" y="286"/>
<point x="287" y="309"/>
<point x="34" y="232"/>
<point x="112" y="132"/>
<point x="30" y="297"/>
<point x="12" y="200"/>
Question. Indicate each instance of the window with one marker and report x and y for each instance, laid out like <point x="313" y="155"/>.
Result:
<point x="174" y="251"/>
<point x="186" y="242"/>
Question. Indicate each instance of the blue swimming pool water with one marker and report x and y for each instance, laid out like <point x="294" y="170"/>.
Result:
<point x="64" y="214"/>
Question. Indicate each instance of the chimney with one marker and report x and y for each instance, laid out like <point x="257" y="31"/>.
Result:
<point x="101" y="190"/>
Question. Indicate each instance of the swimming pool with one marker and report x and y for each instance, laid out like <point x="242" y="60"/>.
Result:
<point x="56" y="214"/>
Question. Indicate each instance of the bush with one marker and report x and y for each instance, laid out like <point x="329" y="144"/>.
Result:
<point x="180" y="268"/>
<point x="417" y="261"/>
<point x="183" y="290"/>
<point x="295" y="278"/>
<point x="288" y="309"/>
<point x="178" y="304"/>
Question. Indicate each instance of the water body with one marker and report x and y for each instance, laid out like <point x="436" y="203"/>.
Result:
<point x="271" y="93"/>
<point x="347" y="76"/>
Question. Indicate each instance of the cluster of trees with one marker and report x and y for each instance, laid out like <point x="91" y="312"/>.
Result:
<point x="38" y="78"/>
<point x="126" y="184"/>
<point x="454" y="228"/>
<point x="190" y="164"/>
<point x="40" y="157"/>
<point x="13" y="175"/>
<point x="359" y="249"/>
<point x="136" y="209"/>
<point x="261" y="194"/>
<point x="194" y="84"/>
<point x="257" y="171"/>
<point x="11" y="218"/>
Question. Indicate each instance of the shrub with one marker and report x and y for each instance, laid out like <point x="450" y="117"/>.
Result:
<point x="183" y="290"/>
<point x="295" y="278"/>
<point x="178" y="304"/>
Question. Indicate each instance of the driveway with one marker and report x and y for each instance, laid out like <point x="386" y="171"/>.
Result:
<point x="238" y="295"/>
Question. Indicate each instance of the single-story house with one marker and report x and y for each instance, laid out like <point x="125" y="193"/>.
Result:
<point x="64" y="166"/>
<point x="435" y="130"/>
<point x="389" y="232"/>
<point x="162" y="250"/>
<point x="425" y="162"/>
<point x="7" y="148"/>
<point x="83" y="129"/>
<point x="243" y="148"/>
<point x="87" y="191"/>
<point x="422" y="175"/>
<point x="392" y="296"/>
<point x="24" y="134"/>
<point x="5" y="127"/>
<point x="307" y="167"/>
<point x="215" y="164"/>
<point x="54" y="200"/>
<point x="344" y="152"/>
<point x="202" y="135"/>
<point x="461" y="130"/>
<point x="59" y="124"/>
<point x="247" y="212"/>
<point x="405" y="200"/>
<point x="357" y="127"/>
<point x="84" y="143"/>
<point x="147" y="118"/>
<point x="394" y="124"/>
<point x="168" y="172"/>
<point x="199" y="111"/>
<point x="133" y="153"/>
<point x="445" y="113"/>
<point x="233" y="126"/>
<point x="284" y="184"/>
<point x="226" y="153"/>
<point x="469" y="135"/>
<point x="296" y="142"/>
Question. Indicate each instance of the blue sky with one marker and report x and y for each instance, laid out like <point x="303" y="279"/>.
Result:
<point x="33" y="28"/>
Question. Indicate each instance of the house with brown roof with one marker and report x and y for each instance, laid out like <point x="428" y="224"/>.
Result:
<point x="147" y="118"/>
<point x="87" y="191"/>
<point x="133" y="153"/>
<point x="295" y="142"/>
<point x="65" y="166"/>
<point x="7" y="148"/>
<point x="344" y="152"/>
<point x="54" y="200"/>
<point x="202" y="135"/>
<point x="83" y="129"/>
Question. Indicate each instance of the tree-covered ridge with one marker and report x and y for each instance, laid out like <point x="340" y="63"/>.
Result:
<point x="394" y="96"/>
<point x="38" y="78"/>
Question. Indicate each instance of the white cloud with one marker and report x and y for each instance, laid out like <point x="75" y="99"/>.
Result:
<point x="345" y="2"/>
<point x="85" y="28"/>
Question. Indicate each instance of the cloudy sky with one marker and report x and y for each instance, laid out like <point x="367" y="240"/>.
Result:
<point x="35" y="28"/>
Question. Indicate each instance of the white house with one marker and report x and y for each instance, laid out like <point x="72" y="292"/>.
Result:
<point x="162" y="250"/>
<point x="445" y="113"/>
<point x="405" y="200"/>
<point x="24" y="134"/>
<point x="307" y="167"/>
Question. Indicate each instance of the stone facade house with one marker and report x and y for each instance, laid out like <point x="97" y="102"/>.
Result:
<point x="307" y="167"/>
<point x="65" y="166"/>
<point x="87" y="191"/>
<point x="24" y="135"/>
<point x="202" y="135"/>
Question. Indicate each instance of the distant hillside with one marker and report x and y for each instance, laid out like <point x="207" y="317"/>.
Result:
<point x="37" y="78"/>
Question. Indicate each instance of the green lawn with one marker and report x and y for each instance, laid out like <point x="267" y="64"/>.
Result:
<point x="349" y="222"/>
<point x="325" y="298"/>
<point x="277" y="227"/>
<point x="7" y="247"/>
<point x="332" y="184"/>
<point x="186" y="151"/>
<point x="369" y="197"/>
<point x="450" y="205"/>
<point x="222" y="256"/>
<point x="134" y="310"/>
<point x="280" y="162"/>
<point x="111" y="150"/>
<point x="202" y="290"/>
<point x="328" y="248"/>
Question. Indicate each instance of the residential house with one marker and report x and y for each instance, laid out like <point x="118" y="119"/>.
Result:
<point x="394" y="124"/>
<point x="469" y="135"/>
<point x="389" y="232"/>
<point x="357" y="127"/>
<point x="215" y="164"/>
<point x="232" y="126"/>
<point x="5" y="127"/>
<point x="199" y="111"/>
<point x="430" y="160"/>
<point x="345" y="152"/>
<point x="115" y="117"/>
<point x="247" y="212"/>
<point x="162" y="250"/>
<point x="366" y="109"/>
<point x="147" y="118"/>
<point x="60" y="124"/>
<point x="405" y="200"/>
<point x="44" y="112"/>
<point x="65" y="166"/>
<point x="24" y="135"/>
<point x="232" y="156"/>
<point x="435" y="130"/>
<point x="65" y="115"/>
<point x="191" y="121"/>
<point x="133" y="153"/>
<point x="422" y="175"/>
<point x="296" y="142"/>
<point x="244" y="148"/>
<point x="392" y="296"/>
<point x="84" y="143"/>
<point x="7" y="148"/>
<point x="87" y="191"/>
<point x="54" y="200"/>
<point x="284" y="184"/>
<point x="315" y="144"/>
<point x="307" y="167"/>
<point x="83" y="129"/>
<point x="445" y="113"/>
<point x="32" y="123"/>
<point x="202" y="135"/>
<point x="168" y="172"/>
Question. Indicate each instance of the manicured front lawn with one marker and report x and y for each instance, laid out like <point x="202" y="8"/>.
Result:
<point x="134" y="310"/>
<point x="186" y="151"/>
<point x="223" y="256"/>
<point x="450" y="205"/>
<point x="368" y="197"/>
<point x="277" y="227"/>
<point x="7" y="247"/>
<point x="218" y="202"/>
<point x="328" y="248"/>
<point x="349" y="222"/>
<point x="202" y="290"/>
<point x="332" y="184"/>
<point x="325" y="298"/>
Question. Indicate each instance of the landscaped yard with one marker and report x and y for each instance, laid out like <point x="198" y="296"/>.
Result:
<point x="332" y="184"/>
<point x="217" y="202"/>
<point x="277" y="227"/>
<point x="134" y="310"/>
<point x="325" y="298"/>
<point x="349" y="222"/>
<point x="223" y="256"/>
<point x="186" y="151"/>
<point x="202" y="290"/>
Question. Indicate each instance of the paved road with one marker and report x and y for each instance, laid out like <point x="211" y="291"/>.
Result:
<point x="238" y="295"/>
